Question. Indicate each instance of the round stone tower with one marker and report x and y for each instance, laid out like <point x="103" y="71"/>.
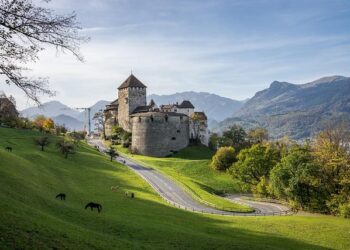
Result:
<point x="158" y="133"/>
<point x="131" y="94"/>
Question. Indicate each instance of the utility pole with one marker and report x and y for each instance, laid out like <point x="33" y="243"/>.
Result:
<point x="89" y="117"/>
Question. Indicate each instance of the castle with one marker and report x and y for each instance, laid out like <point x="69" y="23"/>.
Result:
<point x="156" y="131"/>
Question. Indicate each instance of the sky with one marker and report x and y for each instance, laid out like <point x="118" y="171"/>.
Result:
<point x="232" y="48"/>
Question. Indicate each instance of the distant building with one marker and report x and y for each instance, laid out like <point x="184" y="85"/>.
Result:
<point x="156" y="131"/>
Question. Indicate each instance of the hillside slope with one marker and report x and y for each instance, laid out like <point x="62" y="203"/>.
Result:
<point x="31" y="217"/>
<point x="298" y="111"/>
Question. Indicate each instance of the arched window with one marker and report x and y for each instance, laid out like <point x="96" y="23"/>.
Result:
<point x="166" y="118"/>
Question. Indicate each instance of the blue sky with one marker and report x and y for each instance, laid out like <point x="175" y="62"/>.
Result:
<point x="230" y="48"/>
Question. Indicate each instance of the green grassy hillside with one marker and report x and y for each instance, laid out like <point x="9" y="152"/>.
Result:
<point x="31" y="217"/>
<point x="190" y="167"/>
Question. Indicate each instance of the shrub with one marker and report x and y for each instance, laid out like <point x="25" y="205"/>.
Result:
<point x="223" y="158"/>
<point x="345" y="210"/>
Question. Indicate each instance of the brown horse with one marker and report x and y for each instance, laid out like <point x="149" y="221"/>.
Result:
<point x="93" y="205"/>
<point x="9" y="149"/>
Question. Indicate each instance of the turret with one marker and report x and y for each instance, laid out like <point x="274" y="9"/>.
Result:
<point x="131" y="94"/>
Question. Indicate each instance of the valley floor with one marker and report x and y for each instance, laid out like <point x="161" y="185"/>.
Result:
<point x="31" y="217"/>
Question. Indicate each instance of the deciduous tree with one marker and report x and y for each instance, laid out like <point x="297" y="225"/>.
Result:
<point x="26" y="28"/>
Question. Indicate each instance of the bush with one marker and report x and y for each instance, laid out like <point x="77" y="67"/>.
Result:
<point x="223" y="158"/>
<point x="345" y="210"/>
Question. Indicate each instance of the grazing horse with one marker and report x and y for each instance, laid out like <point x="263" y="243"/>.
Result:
<point x="114" y="188"/>
<point x="9" y="149"/>
<point x="62" y="196"/>
<point x="93" y="205"/>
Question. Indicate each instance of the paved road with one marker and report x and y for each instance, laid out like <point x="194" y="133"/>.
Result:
<point x="175" y="195"/>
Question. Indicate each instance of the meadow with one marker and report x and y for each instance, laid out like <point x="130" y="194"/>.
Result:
<point x="31" y="217"/>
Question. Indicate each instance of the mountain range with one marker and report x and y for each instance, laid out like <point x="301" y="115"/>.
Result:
<point x="296" y="110"/>
<point x="216" y="107"/>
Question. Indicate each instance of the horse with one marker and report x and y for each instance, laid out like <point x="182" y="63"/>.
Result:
<point x="62" y="196"/>
<point x="114" y="188"/>
<point x="93" y="205"/>
<point x="9" y="149"/>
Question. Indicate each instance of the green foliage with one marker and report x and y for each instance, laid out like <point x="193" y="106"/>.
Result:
<point x="213" y="141"/>
<point x="235" y="137"/>
<point x="254" y="163"/>
<point x="223" y="158"/>
<point x="296" y="178"/>
<point x="121" y="136"/>
<point x="345" y="210"/>
<point x="258" y="135"/>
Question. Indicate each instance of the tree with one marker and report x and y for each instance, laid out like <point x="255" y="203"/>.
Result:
<point x="223" y="158"/>
<point x="196" y="125"/>
<point x="257" y="135"/>
<point x="48" y="124"/>
<point x="42" y="142"/>
<point x="297" y="179"/>
<point x="99" y="119"/>
<point x="112" y="153"/>
<point x="332" y="153"/>
<point x="39" y="122"/>
<point x="254" y="163"/>
<point x="25" y="30"/>
<point x="235" y="137"/>
<point x="213" y="141"/>
<point x="65" y="147"/>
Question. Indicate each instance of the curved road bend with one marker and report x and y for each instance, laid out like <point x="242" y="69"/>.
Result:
<point x="175" y="195"/>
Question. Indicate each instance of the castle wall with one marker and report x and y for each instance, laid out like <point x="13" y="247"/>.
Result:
<point x="129" y="99"/>
<point x="159" y="137"/>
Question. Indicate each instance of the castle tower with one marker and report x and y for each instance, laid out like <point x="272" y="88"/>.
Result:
<point x="131" y="94"/>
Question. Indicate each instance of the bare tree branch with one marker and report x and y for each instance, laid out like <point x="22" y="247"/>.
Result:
<point x="24" y="31"/>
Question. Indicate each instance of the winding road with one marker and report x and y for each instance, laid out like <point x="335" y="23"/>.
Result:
<point x="175" y="195"/>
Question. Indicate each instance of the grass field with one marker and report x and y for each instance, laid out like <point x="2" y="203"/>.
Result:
<point x="31" y="218"/>
<point x="191" y="168"/>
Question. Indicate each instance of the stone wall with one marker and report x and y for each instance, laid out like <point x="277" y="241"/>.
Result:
<point x="129" y="99"/>
<point x="159" y="134"/>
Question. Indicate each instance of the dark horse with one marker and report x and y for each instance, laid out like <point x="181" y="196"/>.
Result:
<point x="93" y="205"/>
<point x="9" y="149"/>
<point x="61" y="196"/>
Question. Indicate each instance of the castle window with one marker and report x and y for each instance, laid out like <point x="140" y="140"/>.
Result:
<point x="166" y="118"/>
<point x="178" y="131"/>
<point x="152" y="119"/>
<point x="181" y="117"/>
<point x="126" y="100"/>
<point x="139" y="118"/>
<point x="173" y="138"/>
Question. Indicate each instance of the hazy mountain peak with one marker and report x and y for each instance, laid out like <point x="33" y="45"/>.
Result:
<point x="326" y="80"/>
<point x="298" y="111"/>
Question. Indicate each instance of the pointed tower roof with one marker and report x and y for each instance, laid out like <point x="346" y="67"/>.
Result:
<point x="132" y="81"/>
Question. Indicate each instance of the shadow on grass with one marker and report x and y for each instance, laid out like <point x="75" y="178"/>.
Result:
<point x="194" y="153"/>
<point x="208" y="189"/>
